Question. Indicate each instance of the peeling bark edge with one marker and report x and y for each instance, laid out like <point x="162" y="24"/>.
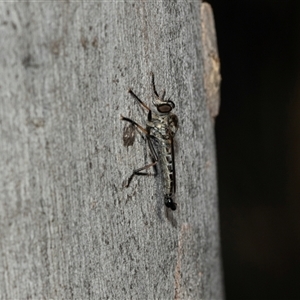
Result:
<point x="211" y="60"/>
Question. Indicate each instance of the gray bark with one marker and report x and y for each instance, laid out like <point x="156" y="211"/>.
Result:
<point x="68" y="227"/>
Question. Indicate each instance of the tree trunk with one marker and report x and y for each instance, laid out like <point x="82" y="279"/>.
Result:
<point x="69" y="228"/>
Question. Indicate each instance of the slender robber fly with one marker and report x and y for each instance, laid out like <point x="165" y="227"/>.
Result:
<point x="160" y="130"/>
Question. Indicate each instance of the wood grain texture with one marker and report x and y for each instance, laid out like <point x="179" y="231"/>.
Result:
<point x="68" y="228"/>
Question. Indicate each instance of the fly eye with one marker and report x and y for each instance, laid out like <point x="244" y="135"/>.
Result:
<point x="166" y="107"/>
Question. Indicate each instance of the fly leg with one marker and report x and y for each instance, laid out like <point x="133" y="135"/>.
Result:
<point x="138" y="100"/>
<point x="154" y="89"/>
<point x="153" y="164"/>
<point x="153" y="85"/>
<point x="138" y="172"/>
<point x="152" y="152"/>
<point x="136" y="125"/>
<point x="141" y="103"/>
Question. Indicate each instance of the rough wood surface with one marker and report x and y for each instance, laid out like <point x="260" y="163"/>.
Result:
<point x="68" y="229"/>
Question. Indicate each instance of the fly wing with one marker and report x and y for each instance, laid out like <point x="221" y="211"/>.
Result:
<point x="173" y="166"/>
<point x="152" y="142"/>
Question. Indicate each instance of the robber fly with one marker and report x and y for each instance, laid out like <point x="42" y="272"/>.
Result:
<point x="161" y="127"/>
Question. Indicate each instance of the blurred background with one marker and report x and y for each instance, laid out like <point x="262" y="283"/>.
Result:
<point x="258" y="147"/>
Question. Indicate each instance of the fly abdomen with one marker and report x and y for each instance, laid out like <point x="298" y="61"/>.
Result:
<point x="168" y="173"/>
<point x="169" y="202"/>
